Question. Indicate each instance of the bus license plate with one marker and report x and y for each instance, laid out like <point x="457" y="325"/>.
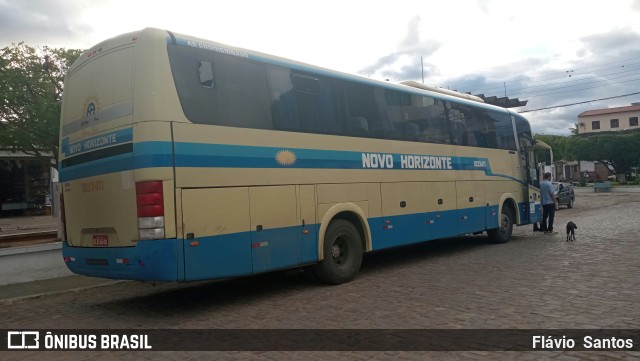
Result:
<point x="100" y="240"/>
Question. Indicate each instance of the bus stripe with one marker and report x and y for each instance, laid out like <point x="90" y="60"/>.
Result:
<point x="159" y="154"/>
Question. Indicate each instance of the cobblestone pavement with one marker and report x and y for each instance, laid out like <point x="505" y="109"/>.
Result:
<point x="535" y="281"/>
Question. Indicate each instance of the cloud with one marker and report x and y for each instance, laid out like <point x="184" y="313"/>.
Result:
<point x="491" y="43"/>
<point x="405" y="62"/>
<point x="40" y="22"/>
<point x="605" y="65"/>
<point x="491" y="81"/>
<point x="612" y="44"/>
<point x="593" y="72"/>
<point x="485" y="6"/>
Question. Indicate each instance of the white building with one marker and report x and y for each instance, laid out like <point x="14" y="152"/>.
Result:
<point x="609" y="119"/>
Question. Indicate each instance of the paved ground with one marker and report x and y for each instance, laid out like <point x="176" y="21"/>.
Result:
<point x="534" y="282"/>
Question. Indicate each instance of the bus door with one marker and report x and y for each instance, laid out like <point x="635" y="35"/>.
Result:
<point x="531" y="211"/>
<point x="535" y="174"/>
<point x="527" y="198"/>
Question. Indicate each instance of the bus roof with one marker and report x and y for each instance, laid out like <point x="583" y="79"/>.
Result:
<point x="432" y="88"/>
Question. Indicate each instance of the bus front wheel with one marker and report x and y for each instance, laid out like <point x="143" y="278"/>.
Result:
<point x="342" y="253"/>
<point x="503" y="233"/>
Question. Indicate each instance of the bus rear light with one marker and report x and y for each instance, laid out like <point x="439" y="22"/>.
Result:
<point x="69" y="259"/>
<point x="149" y="187"/>
<point x="151" y="233"/>
<point x="149" y="199"/>
<point x="155" y="210"/>
<point x="150" y="222"/>
<point x="150" y="203"/>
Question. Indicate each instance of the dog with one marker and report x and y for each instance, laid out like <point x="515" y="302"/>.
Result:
<point x="571" y="231"/>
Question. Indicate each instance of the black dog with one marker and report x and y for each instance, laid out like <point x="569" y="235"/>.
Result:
<point x="571" y="231"/>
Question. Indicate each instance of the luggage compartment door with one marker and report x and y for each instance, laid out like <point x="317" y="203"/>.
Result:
<point x="217" y="241"/>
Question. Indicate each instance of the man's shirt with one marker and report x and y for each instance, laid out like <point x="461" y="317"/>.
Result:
<point x="547" y="192"/>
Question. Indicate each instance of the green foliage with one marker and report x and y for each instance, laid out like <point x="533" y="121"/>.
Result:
<point x="619" y="151"/>
<point x="561" y="146"/>
<point x="31" y="85"/>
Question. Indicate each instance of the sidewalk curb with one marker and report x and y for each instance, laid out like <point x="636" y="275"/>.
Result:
<point x="40" y="233"/>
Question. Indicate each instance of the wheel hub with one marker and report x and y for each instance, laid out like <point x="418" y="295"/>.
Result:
<point x="335" y="251"/>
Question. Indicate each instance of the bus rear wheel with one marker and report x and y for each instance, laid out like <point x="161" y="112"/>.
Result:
<point x="342" y="253"/>
<point x="503" y="233"/>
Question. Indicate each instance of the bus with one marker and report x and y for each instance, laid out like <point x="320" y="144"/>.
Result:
<point x="184" y="159"/>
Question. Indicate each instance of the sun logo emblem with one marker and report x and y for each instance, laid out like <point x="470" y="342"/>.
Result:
<point x="286" y="158"/>
<point x="91" y="105"/>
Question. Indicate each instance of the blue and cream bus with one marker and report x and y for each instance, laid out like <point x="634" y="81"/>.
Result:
<point x="184" y="159"/>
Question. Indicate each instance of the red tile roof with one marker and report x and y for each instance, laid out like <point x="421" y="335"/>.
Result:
<point x="629" y="108"/>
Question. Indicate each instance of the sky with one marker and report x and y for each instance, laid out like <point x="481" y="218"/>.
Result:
<point x="548" y="52"/>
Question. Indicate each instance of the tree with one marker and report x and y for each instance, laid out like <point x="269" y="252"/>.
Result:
<point x="562" y="146"/>
<point x="574" y="129"/>
<point x="31" y="85"/>
<point x="619" y="151"/>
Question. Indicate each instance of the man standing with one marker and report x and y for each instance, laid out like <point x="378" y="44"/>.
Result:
<point x="548" y="204"/>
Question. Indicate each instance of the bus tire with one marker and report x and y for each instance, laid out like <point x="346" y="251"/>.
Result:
<point x="503" y="233"/>
<point x="342" y="253"/>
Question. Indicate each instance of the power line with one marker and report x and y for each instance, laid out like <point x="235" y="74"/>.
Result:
<point x="514" y="91"/>
<point x="565" y="72"/>
<point x="550" y="82"/>
<point x="557" y="75"/>
<point x="584" y="102"/>
<point x="581" y="89"/>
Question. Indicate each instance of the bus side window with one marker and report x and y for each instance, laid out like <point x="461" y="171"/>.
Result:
<point x="504" y="130"/>
<point x="284" y="107"/>
<point x="429" y="114"/>
<point x="306" y="84"/>
<point x="358" y="126"/>
<point x="457" y="125"/>
<point x="205" y="72"/>
<point x="360" y="101"/>
<point x="411" y="131"/>
<point x="315" y="104"/>
<point x="309" y="103"/>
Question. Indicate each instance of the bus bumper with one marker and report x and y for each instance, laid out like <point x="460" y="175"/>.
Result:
<point x="154" y="260"/>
